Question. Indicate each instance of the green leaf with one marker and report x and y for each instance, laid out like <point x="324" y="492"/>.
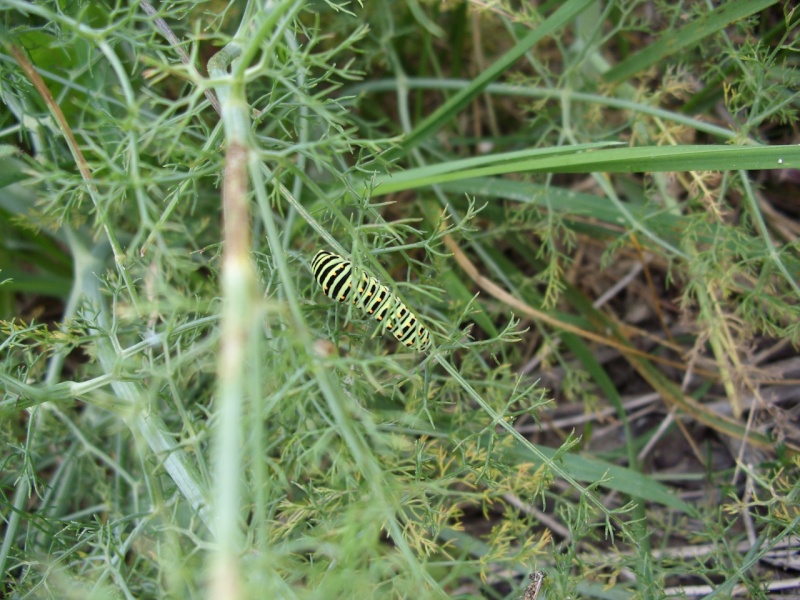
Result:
<point x="687" y="36"/>
<point x="647" y="159"/>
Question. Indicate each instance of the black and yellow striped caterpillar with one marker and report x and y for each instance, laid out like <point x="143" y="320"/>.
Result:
<point x="335" y="275"/>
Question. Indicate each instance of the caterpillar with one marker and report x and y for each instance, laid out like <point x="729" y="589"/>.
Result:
<point x="335" y="276"/>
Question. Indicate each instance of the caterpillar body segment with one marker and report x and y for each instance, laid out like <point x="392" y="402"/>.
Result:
<point x="335" y="276"/>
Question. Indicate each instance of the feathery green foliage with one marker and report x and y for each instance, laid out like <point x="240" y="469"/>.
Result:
<point x="588" y="205"/>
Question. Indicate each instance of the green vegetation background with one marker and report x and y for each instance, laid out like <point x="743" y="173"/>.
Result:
<point x="591" y="205"/>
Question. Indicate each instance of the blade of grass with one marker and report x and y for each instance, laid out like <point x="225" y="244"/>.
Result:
<point x="686" y="37"/>
<point x="568" y="11"/>
<point x="530" y="91"/>
<point x="647" y="159"/>
<point x="577" y="204"/>
<point x="611" y="476"/>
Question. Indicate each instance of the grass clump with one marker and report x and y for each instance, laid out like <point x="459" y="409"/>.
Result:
<point x="588" y="205"/>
